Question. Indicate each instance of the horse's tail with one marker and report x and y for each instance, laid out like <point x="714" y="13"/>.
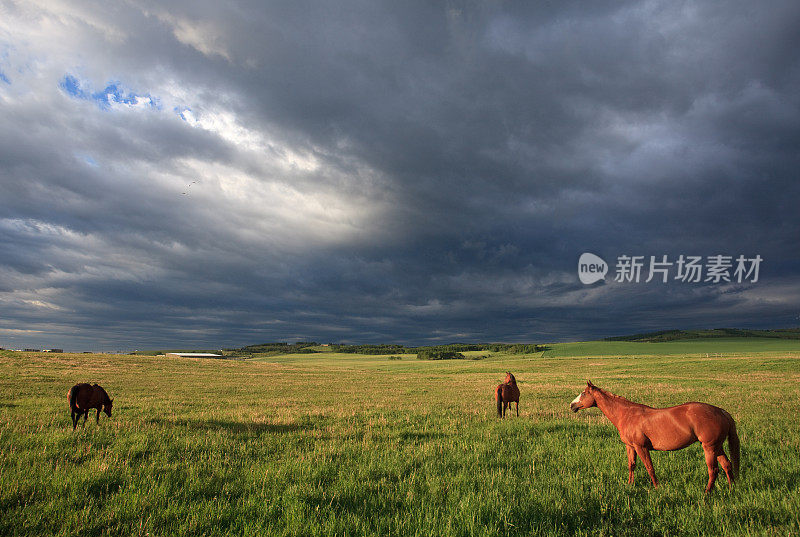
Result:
<point x="72" y="395"/>
<point x="733" y="445"/>
<point x="498" y="395"/>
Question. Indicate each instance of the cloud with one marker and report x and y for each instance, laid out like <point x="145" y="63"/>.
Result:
<point x="194" y="175"/>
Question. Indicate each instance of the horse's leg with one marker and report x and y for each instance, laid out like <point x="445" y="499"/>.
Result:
<point x="644" y="454"/>
<point x="505" y="407"/>
<point x="85" y="417"/>
<point x="726" y="466"/>
<point x="98" y="417"/>
<point x="631" y="462"/>
<point x="711" y="461"/>
<point x="517" y="408"/>
<point x="75" y="417"/>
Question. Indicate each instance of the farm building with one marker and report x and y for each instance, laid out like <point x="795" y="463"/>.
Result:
<point x="192" y="355"/>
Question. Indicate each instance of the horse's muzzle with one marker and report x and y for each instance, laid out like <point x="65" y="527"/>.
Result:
<point x="574" y="407"/>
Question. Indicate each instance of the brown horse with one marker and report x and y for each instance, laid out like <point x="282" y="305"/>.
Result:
<point x="505" y="394"/>
<point x="643" y="428"/>
<point x="84" y="397"/>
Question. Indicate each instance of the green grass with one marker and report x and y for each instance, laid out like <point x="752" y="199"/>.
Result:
<point x="335" y="444"/>
<point x="732" y="346"/>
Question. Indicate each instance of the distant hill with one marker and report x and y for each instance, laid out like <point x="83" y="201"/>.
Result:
<point x="676" y="335"/>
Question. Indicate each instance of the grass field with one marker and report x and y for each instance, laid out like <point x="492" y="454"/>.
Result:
<point x="332" y="444"/>
<point x="735" y="346"/>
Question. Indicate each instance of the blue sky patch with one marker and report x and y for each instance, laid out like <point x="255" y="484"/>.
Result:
<point x="185" y="113"/>
<point x="71" y="85"/>
<point x="113" y="93"/>
<point x="83" y="157"/>
<point x="4" y="78"/>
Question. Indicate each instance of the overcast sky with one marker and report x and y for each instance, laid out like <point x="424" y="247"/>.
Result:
<point x="214" y="174"/>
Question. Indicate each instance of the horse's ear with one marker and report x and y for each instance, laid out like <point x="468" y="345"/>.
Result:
<point x="589" y="383"/>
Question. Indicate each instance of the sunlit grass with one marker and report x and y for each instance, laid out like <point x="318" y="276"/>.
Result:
<point x="362" y="445"/>
<point x="700" y="347"/>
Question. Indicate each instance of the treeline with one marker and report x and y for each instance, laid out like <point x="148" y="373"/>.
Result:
<point x="430" y="354"/>
<point x="371" y="349"/>
<point x="513" y="348"/>
<point x="301" y="347"/>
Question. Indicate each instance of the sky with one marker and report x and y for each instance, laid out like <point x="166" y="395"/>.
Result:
<point x="204" y="174"/>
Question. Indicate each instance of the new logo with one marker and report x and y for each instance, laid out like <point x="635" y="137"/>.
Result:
<point x="591" y="268"/>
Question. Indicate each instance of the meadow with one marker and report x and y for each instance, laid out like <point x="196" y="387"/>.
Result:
<point x="335" y="444"/>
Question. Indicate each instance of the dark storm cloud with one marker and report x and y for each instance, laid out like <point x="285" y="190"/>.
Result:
<point x="208" y="174"/>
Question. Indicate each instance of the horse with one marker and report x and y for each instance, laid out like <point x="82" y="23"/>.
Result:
<point x="84" y="397"/>
<point x="505" y="394"/>
<point x="643" y="428"/>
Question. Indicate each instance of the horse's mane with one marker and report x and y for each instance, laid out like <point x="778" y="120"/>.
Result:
<point x="616" y="397"/>
<point x="103" y="391"/>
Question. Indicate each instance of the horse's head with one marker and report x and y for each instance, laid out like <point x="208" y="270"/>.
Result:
<point x="107" y="407"/>
<point x="585" y="399"/>
<point x="510" y="378"/>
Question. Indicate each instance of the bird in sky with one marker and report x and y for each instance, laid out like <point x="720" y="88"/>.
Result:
<point x="187" y="188"/>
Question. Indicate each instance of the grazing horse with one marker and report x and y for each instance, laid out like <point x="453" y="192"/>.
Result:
<point x="84" y="397"/>
<point x="643" y="428"/>
<point x="505" y="394"/>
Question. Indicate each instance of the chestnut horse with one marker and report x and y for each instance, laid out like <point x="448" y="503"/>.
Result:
<point x="643" y="428"/>
<point x="84" y="397"/>
<point x="505" y="394"/>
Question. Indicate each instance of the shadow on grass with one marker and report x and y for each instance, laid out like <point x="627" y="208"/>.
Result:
<point x="593" y="517"/>
<point x="236" y="427"/>
<point x="103" y="486"/>
<point x="361" y="504"/>
<point x="417" y="436"/>
<point x="577" y="429"/>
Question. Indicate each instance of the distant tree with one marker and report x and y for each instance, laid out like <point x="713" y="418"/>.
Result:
<point x="431" y="354"/>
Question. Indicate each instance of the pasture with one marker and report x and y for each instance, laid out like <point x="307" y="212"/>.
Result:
<point x="333" y="444"/>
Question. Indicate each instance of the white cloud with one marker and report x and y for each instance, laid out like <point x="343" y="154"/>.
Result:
<point x="227" y="126"/>
<point x="205" y="36"/>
